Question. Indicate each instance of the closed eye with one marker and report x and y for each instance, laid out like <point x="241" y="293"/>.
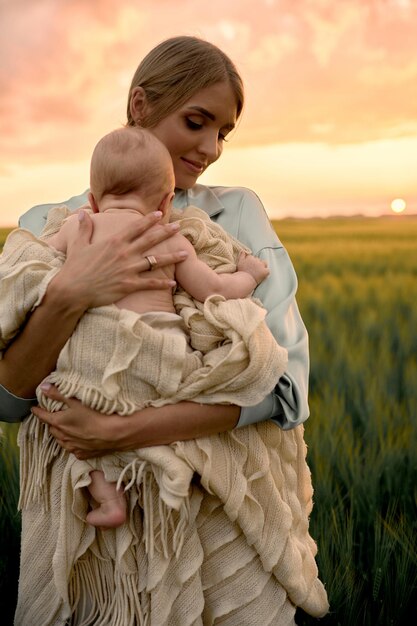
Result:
<point x="193" y="125"/>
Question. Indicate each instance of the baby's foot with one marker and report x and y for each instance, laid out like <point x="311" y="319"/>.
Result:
<point x="109" y="514"/>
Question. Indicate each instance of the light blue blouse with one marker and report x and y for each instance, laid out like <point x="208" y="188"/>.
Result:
<point x="240" y="212"/>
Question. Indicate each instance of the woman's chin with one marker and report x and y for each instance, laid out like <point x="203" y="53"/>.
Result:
<point x="186" y="175"/>
<point x="186" y="182"/>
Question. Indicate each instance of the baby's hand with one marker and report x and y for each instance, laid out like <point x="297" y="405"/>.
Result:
<point x="252" y="265"/>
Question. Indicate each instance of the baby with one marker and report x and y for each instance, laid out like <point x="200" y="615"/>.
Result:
<point x="131" y="175"/>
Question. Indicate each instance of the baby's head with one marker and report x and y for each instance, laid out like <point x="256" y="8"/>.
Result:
<point x="131" y="163"/>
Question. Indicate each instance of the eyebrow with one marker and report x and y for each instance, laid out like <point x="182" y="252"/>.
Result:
<point x="210" y="116"/>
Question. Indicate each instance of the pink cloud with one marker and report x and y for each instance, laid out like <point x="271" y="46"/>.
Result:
<point x="315" y="70"/>
<point x="336" y="73"/>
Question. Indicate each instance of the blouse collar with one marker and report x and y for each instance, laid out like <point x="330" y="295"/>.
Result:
<point x="200" y="196"/>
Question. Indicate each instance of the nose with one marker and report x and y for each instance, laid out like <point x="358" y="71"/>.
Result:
<point x="209" y="146"/>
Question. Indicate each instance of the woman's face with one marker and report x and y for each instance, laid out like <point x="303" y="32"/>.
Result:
<point x="194" y="134"/>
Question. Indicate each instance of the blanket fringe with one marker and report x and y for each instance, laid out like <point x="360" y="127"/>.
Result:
<point x="93" y="600"/>
<point x="91" y="396"/>
<point x="163" y="526"/>
<point x="38" y="450"/>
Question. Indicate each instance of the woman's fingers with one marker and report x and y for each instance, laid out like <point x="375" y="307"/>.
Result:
<point x="141" y="225"/>
<point x="97" y="273"/>
<point x="46" y="416"/>
<point x="43" y="415"/>
<point x="50" y="391"/>
<point x="54" y="422"/>
<point x="85" y="230"/>
<point x="145" y="241"/>
<point x="147" y="281"/>
<point x="54" y="430"/>
<point x="76" y="427"/>
<point x="161" y="260"/>
<point x="142" y="233"/>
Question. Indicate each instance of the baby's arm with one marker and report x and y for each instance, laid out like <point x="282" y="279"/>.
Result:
<point x="200" y="281"/>
<point x="62" y="238"/>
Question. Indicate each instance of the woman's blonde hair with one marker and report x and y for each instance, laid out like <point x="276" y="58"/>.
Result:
<point x="175" y="70"/>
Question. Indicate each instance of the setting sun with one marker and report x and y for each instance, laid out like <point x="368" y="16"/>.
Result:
<point x="398" y="205"/>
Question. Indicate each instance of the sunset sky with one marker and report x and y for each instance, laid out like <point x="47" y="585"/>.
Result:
<point x="330" y="121"/>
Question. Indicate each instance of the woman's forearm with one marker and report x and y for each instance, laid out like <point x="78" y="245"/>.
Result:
<point x="173" y="422"/>
<point x="87" y="433"/>
<point x="34" y="352"/>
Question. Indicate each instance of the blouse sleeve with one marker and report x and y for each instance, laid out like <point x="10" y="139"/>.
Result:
<point x="12" y="408"/>
<point x="287" y="405"/>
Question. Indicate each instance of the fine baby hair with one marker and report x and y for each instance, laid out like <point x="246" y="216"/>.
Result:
<point x="131" y="159"/>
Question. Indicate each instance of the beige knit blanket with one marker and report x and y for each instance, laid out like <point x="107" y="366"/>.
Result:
<point x="218" y="527"/>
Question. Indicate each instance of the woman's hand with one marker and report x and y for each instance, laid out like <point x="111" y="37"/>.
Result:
<point x="79" y="429"/>
<point x="93" y="274"/>
<point x="99" y="273"/>
<point x="87" y="433"/>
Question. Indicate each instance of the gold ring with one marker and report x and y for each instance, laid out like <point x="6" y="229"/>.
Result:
<point x="152" y="262"/>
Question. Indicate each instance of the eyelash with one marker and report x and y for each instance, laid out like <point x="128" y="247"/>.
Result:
<point x="195" y="126"/>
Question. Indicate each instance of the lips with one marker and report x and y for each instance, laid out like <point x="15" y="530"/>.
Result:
<point x="195" y="167"/>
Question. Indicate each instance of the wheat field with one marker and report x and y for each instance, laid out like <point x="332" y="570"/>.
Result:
<point x="357" y="295"/>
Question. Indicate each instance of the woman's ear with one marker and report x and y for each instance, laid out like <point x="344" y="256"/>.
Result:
<point x="138" y="105"/>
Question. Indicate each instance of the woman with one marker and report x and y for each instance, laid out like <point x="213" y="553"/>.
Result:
<point x="189" y="94"/>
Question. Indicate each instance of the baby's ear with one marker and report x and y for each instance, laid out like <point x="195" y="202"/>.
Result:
<point x="171" y="198"/>
<point x="93" y="203"/>
<point x="166" y="202"/>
